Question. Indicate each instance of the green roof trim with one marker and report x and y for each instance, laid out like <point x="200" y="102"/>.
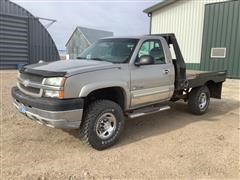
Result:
<point x="159" y="5"/>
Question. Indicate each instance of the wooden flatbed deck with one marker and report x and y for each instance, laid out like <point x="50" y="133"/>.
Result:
<point x="199" y="78"/>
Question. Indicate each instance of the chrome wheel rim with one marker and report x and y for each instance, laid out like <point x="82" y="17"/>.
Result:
<point x="106" y="125"/>
<point x="202" y="100"/>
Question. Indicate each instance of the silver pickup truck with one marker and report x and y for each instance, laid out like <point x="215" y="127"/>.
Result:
<point x="113" y="79"/>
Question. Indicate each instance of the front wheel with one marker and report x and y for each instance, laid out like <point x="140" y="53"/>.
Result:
<point x="102" y="124"/>
<point x="198" y="100"/>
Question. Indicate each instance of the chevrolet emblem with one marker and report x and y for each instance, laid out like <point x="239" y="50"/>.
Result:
<point x="26" y="83"/>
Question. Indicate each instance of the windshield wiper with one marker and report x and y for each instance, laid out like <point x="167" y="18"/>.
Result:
<point x="79" y="57"/>
<point x="99" y="59"/>
<point x="95" y="58"/>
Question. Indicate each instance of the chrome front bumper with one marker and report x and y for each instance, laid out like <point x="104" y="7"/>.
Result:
<point x="69" y="119"/>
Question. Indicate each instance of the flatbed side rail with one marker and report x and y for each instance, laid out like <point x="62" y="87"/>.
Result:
<point x="203" y="78"/>
<point x="213" y="80"/>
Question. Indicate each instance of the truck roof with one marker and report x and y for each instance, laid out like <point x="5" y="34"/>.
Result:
<point x="131" y="37"/>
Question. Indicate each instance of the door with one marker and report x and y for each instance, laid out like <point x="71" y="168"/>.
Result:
<point x="151" y="83"/>
<point x="221" y="34"/>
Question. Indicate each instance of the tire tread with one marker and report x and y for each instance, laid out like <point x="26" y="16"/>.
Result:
<point x="193" y="99"/>
<point x="89" y="114"/>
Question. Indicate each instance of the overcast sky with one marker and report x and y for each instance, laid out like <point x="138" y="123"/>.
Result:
<point x="123" y="17"/>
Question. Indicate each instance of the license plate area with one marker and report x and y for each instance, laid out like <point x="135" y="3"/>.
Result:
<point x="22" y="108"/>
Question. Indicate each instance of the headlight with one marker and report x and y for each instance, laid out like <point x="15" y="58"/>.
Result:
<point x="54" y="94"/>
<point x="50" y="93"/>
<point x="54" y="81"/>
<point x="57" y="82"/>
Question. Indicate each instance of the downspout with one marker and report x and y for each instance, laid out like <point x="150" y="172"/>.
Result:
<point x="150" y="28"/>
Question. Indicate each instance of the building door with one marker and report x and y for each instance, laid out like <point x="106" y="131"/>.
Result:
<point x="221" y="38"/>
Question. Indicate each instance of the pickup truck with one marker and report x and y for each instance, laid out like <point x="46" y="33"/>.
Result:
<point x="115" y="78"/>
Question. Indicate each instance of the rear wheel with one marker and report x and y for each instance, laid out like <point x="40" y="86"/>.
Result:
<point x="102" y="124"/>
<point x="198" y="100"/>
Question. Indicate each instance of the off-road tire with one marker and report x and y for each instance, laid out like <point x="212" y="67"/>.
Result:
<point x="193" y="100"/>
<point x="93" y="111"/>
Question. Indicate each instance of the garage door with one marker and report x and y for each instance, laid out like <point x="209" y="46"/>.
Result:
<point x="13" y="41"/>
<point x="221" y="39"/>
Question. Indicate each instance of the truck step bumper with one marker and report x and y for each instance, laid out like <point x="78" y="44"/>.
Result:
<point x="64" y="114"/>
<point x="70" y="119"/>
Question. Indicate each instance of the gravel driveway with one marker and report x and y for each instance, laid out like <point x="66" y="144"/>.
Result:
<point x="169" y="144"/>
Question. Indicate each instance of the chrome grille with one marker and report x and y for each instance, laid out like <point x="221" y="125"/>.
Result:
<point x="31" y="78"/>
<point x="30" y="84"/>
<point x="30" y="89"/>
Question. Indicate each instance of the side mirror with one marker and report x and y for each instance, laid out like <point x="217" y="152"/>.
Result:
<point x="145" y="60"/>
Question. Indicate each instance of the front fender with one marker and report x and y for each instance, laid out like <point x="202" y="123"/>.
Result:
<point x="87" y="89"/>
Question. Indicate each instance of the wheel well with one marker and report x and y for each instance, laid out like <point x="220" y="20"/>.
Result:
<point x="215" y="89"/>
<point x="115" y="94"/>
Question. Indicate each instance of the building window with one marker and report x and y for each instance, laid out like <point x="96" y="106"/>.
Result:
<point x="218" y="52"/>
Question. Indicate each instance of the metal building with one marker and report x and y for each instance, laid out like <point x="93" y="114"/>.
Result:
<point x="23" y="39"/>
<point x="82" y="38"/>
<point x="207" y="31"/>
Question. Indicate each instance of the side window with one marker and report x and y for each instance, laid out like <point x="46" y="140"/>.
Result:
<point x="153" y="48"/>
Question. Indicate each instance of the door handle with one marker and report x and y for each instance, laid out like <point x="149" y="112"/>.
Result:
<point x="166" y="71"/>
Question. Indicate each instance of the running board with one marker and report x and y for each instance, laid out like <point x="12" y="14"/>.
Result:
<point x="151" y="111"/>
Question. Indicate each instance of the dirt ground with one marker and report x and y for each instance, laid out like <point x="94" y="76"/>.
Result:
<point x="166" y="145"/>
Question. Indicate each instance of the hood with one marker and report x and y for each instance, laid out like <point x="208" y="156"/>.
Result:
<point x="67" y="67"/>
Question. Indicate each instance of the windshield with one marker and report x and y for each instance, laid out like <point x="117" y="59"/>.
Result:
<point x="118" y="50"/>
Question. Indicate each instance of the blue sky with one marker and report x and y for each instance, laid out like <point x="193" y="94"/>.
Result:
<point x="123" y="17"/>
